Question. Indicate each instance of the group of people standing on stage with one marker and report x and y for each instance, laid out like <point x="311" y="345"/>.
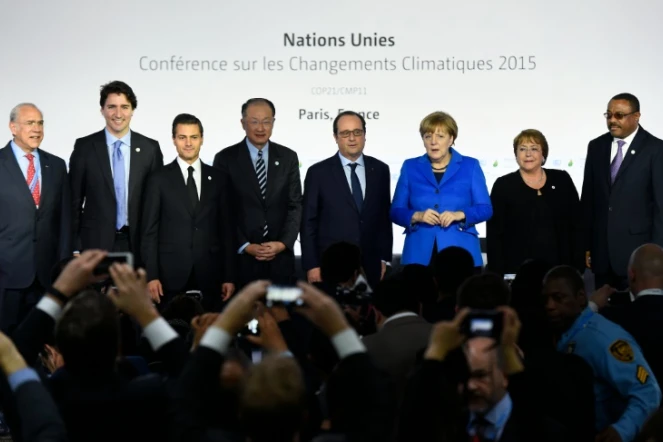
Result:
<point x="213" y="228"/>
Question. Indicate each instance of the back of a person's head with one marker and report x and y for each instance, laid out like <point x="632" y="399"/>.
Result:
<point x="340" y="262"/>
<point x="526" y="287"/>
<point x="183" y="307"/>
<point x="483" y="292"/>
<point x="394" y="295"/>
<point x="451" y="267"/>
<point x="419" y="279"/>
<point x="273" y="403"/>
<point x="88" y="334"/>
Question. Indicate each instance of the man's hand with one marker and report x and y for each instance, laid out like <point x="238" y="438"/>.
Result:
<point x="600" y="297"/>
<point x="200" y="324"/>
<point x="510" y="332"/>
<point x="156" y="290"/>
<point x="447" y="218"/>
<point x="11" y="360"/>
<point x="271" y="249"/>
<point x="383" y="269"/>
<point x="588" y="260"/>
<point x="430" y="216"/>
<point x="253" y="250"/>
<point x="446" y="336"/>
<point x="240" y="308"/>
<point x="78" y="274"/>
<point x="131" y="295"/>
<point x="227" y="290"/>
<point x="322" y="310"/>
<point x="608" y="435"/>
<point x="270" y="337"/>
<point x="314" y="275"/>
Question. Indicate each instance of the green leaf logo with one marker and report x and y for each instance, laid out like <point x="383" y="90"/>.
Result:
<point x="495" y="164"/>
<point x="300" y="164"/>
<point x="570" y="163"/>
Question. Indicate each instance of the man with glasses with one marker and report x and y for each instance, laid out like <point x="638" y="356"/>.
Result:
<point x="266" y="197"/>
<point x="347" y="198"/>
<point x="35" y="219"/>
<point x="622" y="192"/>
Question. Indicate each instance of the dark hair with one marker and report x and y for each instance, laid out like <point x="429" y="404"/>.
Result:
<point x="531" y="135"/>
<point x="339" y="262"/>
<point x="526" y="287"/>
<point x="632" y="100"/>
<point x="420" y="282"/>
<point x="251" y="101"/>
<point x="569" y="275"/>
<point x="345" y="114"/>
<point x="186" y="119"/>
<point x="451" y="267"/>
<point x="118" y="87"/>
<point x="182" y="307"/>
<point x="394" y="295"/>
<point x="88" y="334"/>
<point x="484" y="292"/>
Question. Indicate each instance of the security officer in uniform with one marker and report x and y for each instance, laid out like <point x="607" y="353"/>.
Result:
<point x="625" y="389"/>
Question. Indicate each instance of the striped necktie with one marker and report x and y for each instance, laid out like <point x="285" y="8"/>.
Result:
<point x="261" y="172"/>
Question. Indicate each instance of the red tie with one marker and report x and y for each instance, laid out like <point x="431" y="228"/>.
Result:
<point x="31" y="176"/>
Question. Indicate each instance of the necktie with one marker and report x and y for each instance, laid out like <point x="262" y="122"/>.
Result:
<point x="191" y="188"/>
<point x="617" y="162"/>
<point x="33" y="179"/>
<point x="261" y="173"/>
<point x="119" y="184"/>
<point x="356" y="187"/>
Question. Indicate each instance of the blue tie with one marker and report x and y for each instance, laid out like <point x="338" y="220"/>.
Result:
<point x="119" y="181"/>
<point x="356" y="187"/>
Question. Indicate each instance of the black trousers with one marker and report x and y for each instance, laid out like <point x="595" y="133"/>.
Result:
<point x="211" y="299"/>
<point x="17" y="303"/>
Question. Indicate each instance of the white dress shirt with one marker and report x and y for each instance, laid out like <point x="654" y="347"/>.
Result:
<point x="625" y="147"/>
<point x="197" y="173"/>
<point x="360" y="171"/>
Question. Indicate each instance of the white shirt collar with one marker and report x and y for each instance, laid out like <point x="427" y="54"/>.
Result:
<point x="648" y="292"/>
<point x="345" y="161"/>
<point x="185" y="166"/>
<point x="628" y="139"/>
<point x="398" y="316"/>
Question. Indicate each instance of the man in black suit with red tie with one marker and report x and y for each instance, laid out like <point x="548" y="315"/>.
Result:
<point x="267" y="197"/>
<point x="187" y="239"/>
<point x="622" y="192"/>
<point x="347" y="198"/>
<point x="35" y="223"/>
<point x="108" y="171"/>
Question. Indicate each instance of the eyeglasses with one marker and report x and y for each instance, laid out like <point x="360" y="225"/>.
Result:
<point x="523" y="149"/>
<point x="617" y="115"/>
<point x="347" y="133"/>
<point x="33" y="123"/>
<point x="265" y="123"/>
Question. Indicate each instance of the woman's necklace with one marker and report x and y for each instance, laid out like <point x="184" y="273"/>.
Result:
<point x="535" y="184"/>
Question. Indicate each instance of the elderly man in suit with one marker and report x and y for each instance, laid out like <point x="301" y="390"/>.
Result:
<point x="267" y="197"/>
<point x="622" y="192"/>
<point x="36" y="222"/>
<point x="108" y="171"/>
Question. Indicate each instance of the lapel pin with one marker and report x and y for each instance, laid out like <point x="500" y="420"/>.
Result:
<point x="632" y="152"/>
<point x="276" y="163"/>
<point x="138" y="149"/>
<point x="209" y="178"/>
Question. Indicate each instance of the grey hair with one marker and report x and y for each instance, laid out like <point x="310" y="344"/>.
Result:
<point x="14" y="112"/>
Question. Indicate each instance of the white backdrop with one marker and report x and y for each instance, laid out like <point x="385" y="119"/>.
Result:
<point x="58" y="53"/>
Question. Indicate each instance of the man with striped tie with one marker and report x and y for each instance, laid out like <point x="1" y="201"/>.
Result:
<point x="35" y="221"/>
<point x="267" y="197"/>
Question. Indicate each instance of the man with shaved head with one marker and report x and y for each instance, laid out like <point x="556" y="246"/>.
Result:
<point x="642" y="317"/>
<point x="35" y="223"/>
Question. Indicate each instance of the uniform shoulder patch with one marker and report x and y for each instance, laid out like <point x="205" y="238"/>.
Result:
<point x="642" y="374"/>
<point x="622" y="351"/>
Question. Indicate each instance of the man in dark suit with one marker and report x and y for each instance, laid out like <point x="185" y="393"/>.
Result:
<point x="267" y="197"/>
<point x="622" y="192"/>
<point x="107" y="171"/>
<point x="36" y="222"/>
<point x="187" y="239"/>
<point x="347" y="198"/>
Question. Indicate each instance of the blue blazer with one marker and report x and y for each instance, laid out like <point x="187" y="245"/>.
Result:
<point x="463" y="187"/>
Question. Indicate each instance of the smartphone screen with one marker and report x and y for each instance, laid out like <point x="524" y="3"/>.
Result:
<point x="283" y="295"/>
<point x="121" y="257"/>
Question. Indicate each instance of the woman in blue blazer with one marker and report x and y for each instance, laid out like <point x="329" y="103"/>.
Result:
<point x="440" y="196"/>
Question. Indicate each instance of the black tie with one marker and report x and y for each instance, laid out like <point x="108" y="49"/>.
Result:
<point x="356" y="187"/>
<point x="191" y="188"/>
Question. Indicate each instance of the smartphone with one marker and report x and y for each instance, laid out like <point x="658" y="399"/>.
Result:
<point x="485" y="323"/>
<point x="283" y="295"/>
<point x="121" y="257"/>
<point x="252" y="327"/>
<point x="509" y="277"/>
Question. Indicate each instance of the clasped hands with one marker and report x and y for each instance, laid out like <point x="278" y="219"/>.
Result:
<point x="434" y="218"/>
<point x="265" y="251"/>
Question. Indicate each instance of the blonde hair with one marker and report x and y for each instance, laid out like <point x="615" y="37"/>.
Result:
<point x="439" y="120"/>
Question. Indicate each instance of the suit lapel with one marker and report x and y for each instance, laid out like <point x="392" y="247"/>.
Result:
<point x="371" y="184"/>
<point x="178" y="185"/>
<point x="13" y="171"/>
<point x="206" y="184"/>
<point x="631" y="152"/>
<point x="604" y="163"/>
<point x="274" y="170"/>
<point x="342" y="180"/>
<point x="47" y="183"/>
<point x="136" y="156"/>
<point x="426" y="170"/>
<point x="452" y="168"/>
<point x="248" y="168"/>
<point x="101" y="150"/>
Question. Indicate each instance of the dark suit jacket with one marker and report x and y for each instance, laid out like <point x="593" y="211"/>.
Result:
<point x="330" y="214"/>
<point x="282" y="209"/>
<point x="641" y="318"/>
<point x="94" y="206"/>
<point x="40" y="419"/>
<point x="33" y="240"/>
<point x="620" y="217"/>
<point x="176" y="238"/>
<point x="516" y="222"/>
